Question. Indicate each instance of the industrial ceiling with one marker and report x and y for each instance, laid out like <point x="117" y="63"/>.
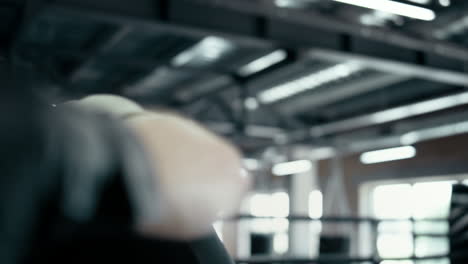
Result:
<point x="262" y="72"/>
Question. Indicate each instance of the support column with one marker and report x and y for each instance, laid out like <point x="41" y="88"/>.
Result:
<point x="302" y="243"/>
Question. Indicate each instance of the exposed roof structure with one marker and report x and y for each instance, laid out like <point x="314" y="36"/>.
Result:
<point x="260" y="71"/>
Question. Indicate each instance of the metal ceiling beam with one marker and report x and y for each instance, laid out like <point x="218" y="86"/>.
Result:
<point x="382" y="117"/>
<point x="415" y="131"/>
<point x="206" y="86"/>
<point x="394" y="67"/>
<point x="446" y="17"/>
<point x="404" y="133"/>
<point x="445" y="125"/>
<point x="421" y="130"/>
<point x="315" y="19"/>
<point x="120" y="59"/>
<point x="338" y="92"/>
<point x="15" y="2"/>
<point x="103" y="12"/>
<point x="259" y="34"/>
<point x="83" y="70"/>
<point x="259" y="27"/>
<point x="254" y="131"/>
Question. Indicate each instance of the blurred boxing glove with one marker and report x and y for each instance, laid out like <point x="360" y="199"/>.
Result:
<point x="198" y="175"/>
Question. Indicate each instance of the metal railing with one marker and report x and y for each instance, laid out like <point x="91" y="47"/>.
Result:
<point x="372" y="222"/>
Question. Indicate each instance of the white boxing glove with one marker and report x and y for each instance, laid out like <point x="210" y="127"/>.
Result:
<point x="198" y="174"/>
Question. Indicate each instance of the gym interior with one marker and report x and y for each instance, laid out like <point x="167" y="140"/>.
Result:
<point x="351" y="115"/>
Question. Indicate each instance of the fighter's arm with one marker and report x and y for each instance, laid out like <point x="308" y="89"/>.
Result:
<point x="197" y="175"/>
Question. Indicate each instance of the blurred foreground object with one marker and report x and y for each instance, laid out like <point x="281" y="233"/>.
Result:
<point x="197" y="174"/>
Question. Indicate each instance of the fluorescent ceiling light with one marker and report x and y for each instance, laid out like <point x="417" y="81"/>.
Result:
<point x="294" y="3"/>
<point x="292" y="167"/>
<point x="421" y="2"/>
<point x="394" y="7"/>
<point x="444" y="2"/>
<point x="308" y="82"/>
<point x="251" y="103"/>
<point x="251" y="164"/>
<point x="322" y="153"/>
<point x="263" y="63"/>
<point x="207" y="50"/>
<point x="379" y="18"/>
<point x="390" y="154"/>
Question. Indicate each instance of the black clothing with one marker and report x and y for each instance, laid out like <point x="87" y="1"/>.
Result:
<point x="71" y="185"/>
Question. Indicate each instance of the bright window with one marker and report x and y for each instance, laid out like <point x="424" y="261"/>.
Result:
<point x="404" y="203"/>
<point x="276" y="205"/>
<point x="431" y="200"/>
<point x="393" y="201"/>
<point x="272" y="205"/>
<point x="315" y="204"/>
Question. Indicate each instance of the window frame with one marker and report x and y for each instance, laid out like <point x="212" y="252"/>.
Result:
<point x="366" y="208"/>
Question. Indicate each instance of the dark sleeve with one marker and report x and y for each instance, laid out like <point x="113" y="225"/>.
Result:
<point x="72" y="183"/>
<point x="96" y="151"/>
<point x="22" y="180"/>
<point x="106" y="184"/>
<point x="65" y="167"/>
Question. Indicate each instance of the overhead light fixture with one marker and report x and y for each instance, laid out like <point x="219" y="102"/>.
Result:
<point x="251" y="103"/>
<point x="394" y="7"/>
<point x="322" y="153"/>
<point x="444" y="3"/>
<point x="292" y="167"/>
<point x="263" y="63"/>
<point x="308" y="82"/>
<point x="390" y="154"/>
<point x="207" y="50"/>
<point x="293" y="3"/>
<point x="251" y="164"/>
<point x="421" y="2"/>
<point x="379" y="18"/>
